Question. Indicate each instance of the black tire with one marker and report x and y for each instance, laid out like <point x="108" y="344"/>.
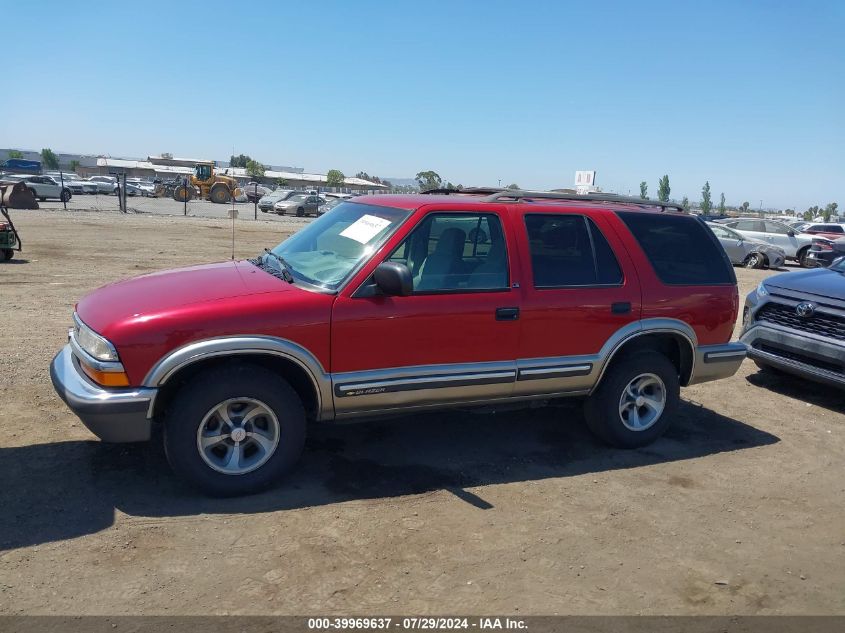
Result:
<point x="8" y="253"/>
<point x="66" y="195"/>
<point x="300" y="212"/>
<point x="602" y="408"/>
<point x="182" y="194"/>
<point x="801" y="256"/>
<point x="219" y="194"/>
<point x="210" y="388"/>
<point x="755" y="260"/>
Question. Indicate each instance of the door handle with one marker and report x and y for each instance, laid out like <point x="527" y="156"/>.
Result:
<point x="621" y="307"/>
<point x="507" y="314"/>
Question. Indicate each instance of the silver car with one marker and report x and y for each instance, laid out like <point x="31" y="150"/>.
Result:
<point x="747" y="251"/>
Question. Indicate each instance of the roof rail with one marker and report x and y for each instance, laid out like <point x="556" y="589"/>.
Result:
<point x="511" y="194"/>
<point x="497" y="194"/>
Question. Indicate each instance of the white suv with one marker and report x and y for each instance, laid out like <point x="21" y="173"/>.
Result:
<point x="42" y="187"/>
<point x="796" y="245"/>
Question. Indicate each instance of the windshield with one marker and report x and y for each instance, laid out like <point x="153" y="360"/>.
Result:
<point x="329" y="249"/>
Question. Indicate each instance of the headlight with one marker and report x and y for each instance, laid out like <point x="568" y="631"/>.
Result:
<point x="93" y="343"/>
<point x="761" y="290"/>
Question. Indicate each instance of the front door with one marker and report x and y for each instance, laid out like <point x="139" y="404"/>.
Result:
<point x="454" y="339"/>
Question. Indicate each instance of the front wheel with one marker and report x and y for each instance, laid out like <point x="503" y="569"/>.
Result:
<point x="300" y="212"/>
<point x="755" y="260"/>
<point x="234" y="431"/>
<point x="8" y="253"/>
<point x="634" y="403"/>
<point x="803" y="258"/>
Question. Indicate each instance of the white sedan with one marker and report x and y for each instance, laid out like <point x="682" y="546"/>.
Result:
<point x="104" y="184"/>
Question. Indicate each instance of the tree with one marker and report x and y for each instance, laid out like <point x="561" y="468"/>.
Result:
<point x="685" y="203"/>
<point x="49" y="158"/>
<point x="830" y="210"/>
<point x="239" y="161"/>
<point x="335" y="178"/>
<point x="387" y="184"/>
<point x="255" y="169"/>
<point x="663" y="189"/>
<point x="450" y="186"/>
<point x="706" y="201"/>
<point x="14" y="153"/>
<point x="644" y="190"/>
<point x="74" y="164"/>
<point x="428" y="180"/>
<point x="744" y="207"/>
<point x="281" y="182"/>
<point x="514" y="186"/>
<point x="722" y="205"/>
<point x="167" y="155"/>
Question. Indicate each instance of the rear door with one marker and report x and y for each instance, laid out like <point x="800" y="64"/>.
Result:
<point x="731" y="242"/>
<point x="579" y="289"/>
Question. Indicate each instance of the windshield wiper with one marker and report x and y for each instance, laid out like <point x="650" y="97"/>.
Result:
<point x="283" y="265"/>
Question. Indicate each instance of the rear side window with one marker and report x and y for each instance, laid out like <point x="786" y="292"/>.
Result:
<point x="681" y="249"/>
<point x="750" y="225"/>
<point x="569" y="250"/>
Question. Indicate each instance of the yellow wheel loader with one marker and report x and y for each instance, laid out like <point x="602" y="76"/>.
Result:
<point x="211" y="186"/>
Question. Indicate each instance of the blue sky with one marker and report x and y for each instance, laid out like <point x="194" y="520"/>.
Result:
<point x="747" y="95"/>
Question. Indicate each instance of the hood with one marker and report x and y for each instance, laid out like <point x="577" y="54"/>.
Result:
<point x="819" y="281"/>
<point x="163" y="294"/>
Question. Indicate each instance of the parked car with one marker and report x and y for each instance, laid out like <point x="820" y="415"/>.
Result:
<point x="299" y="204"/>
<point x="76" y="184"/>
<point x="104" y="184"/>
<point x="42" y="187"/>
<point x="266" y="202"/>
<point x="363" y="313"/>
<point x="825" y="251"/>
<point x="831" y="230"/>
<point x="255" y="191"/>
<point x="329" y="205"/>
<point x="145" y="187"/>
<point x="795" y="245"/>
<point x="795" y="323"/>
<point x="747" y="251"/>
<point x="328" y="195"/>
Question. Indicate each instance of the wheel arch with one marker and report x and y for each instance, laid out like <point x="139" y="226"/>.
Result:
<point x="294" y="363"/>
<point x="675" y="340"/>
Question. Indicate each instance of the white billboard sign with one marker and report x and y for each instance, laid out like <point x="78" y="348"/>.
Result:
<point x="585" y="181"/>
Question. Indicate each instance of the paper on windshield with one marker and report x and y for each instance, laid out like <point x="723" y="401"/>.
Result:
<point x="365" y="228"/>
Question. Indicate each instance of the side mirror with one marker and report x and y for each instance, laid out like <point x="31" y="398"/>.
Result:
<point x="791" y="234"/>
<point x="394" y="279"/>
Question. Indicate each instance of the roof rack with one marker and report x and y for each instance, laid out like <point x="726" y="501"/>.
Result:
<point x="497" y="194"/>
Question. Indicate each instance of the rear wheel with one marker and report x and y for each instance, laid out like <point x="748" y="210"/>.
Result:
<point x="634" y="403"/>
<point x="220" y="194"/>
<point x="7" y="254"/>
<point x="234" y="431"/>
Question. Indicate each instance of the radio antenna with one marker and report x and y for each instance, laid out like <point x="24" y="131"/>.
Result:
<point x="233" y="206"/>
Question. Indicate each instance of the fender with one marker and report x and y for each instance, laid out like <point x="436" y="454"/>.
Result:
<point x="243" y="345"/>
<point x="640" y="328"/>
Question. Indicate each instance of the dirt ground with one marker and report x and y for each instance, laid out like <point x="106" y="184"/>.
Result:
<point x="737" y="510"/>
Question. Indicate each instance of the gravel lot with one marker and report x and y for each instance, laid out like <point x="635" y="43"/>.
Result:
<point x="738" y="510"/>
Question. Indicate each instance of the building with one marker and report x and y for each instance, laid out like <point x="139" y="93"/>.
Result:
<point x="167" y="167"/>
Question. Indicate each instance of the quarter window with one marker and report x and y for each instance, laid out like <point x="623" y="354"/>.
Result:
<point x="455" y="252"/>
<point x="569" y="250"/>
<point x="680" y="248"/>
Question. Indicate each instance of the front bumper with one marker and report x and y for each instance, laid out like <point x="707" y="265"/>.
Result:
<point x="113" y="415"/>
<point x="796" y="352"/>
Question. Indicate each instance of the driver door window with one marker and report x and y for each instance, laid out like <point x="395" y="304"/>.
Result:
<point x="456" y="253"/>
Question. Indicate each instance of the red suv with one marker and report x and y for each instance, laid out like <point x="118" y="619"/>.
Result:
<point x="390" y="303"/>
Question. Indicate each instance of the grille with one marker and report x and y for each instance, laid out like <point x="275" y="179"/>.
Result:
<point x="820" y="323"/>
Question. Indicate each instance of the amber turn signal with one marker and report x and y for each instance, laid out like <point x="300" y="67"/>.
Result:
<point x="106" y="378"/>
